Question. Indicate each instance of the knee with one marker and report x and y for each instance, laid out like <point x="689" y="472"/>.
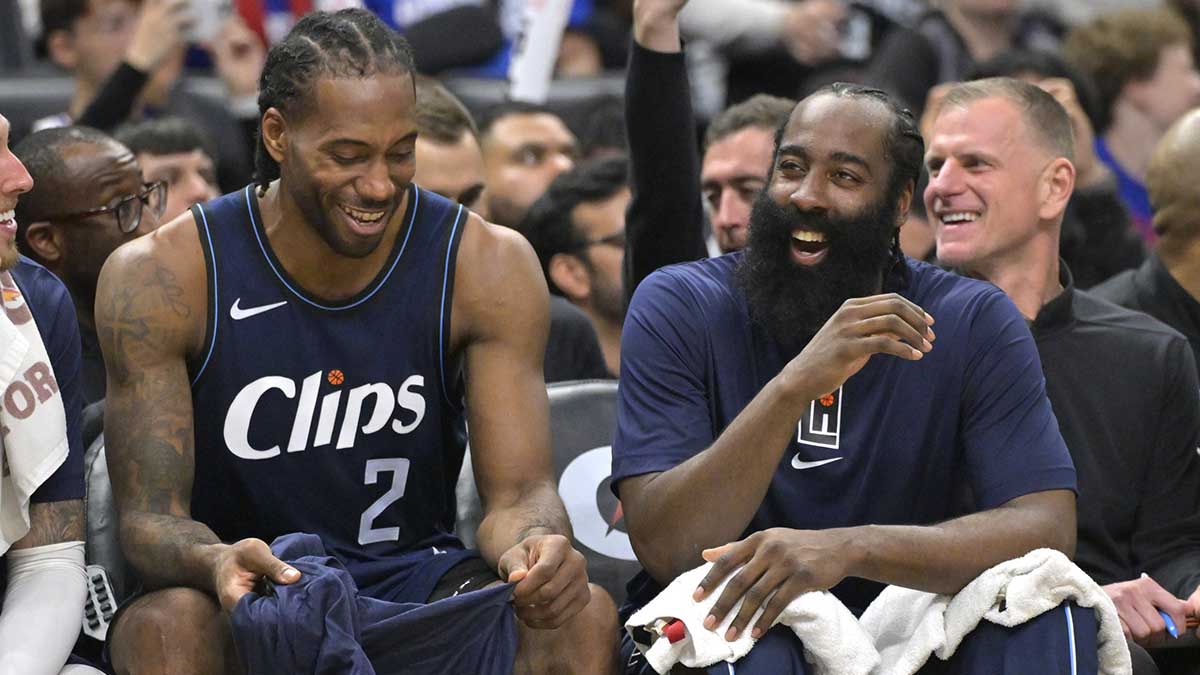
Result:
<point x="171" y="631"/>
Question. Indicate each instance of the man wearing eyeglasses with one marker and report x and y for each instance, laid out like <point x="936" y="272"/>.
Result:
<point x="578" y="230"/>
<point x="88" y="198"/>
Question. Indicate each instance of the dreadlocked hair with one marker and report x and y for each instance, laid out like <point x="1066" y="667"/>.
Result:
<point x="349" y="43"/>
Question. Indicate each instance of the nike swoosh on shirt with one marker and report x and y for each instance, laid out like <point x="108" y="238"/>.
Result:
<point x="237" y="313"/>
<point x="800" y="464"/>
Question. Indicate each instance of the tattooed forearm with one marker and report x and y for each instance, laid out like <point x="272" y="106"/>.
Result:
<point x="168" y="550"/>
<point x="53" y="523"/>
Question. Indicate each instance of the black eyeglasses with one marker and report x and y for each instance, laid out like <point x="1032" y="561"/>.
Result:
<point x="129" y="209"/>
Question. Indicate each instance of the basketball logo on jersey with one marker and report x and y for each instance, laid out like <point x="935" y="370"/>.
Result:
<point x="596" y="516"/>
<point x="821" y="424"/>
<point x="404" y="408"/>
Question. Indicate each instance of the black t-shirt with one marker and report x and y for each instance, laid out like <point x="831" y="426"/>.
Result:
<point x="1124" y="388"/>
<point x="1152" y="289"/>
<point x="573" y="350"/>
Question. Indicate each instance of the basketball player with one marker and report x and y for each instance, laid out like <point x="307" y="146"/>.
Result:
<point x="295" y="357"/>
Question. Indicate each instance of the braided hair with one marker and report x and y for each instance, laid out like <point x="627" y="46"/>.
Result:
<point x="349" y="43"/>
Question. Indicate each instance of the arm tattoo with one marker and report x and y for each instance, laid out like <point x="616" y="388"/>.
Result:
<point x="148" y="425"/>
<point x="53" y="523"/>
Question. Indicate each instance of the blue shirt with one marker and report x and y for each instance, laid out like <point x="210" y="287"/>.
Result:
<point x="895" y="445"/>
<point x="1132" y="191"/>
<point x="54" y="313"/>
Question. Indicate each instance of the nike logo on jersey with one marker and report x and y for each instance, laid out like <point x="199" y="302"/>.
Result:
<point x="801" y="465"/>
<point x="237" y="313"/>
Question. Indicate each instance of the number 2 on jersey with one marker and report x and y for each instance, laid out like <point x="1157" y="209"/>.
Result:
<point x="398" y="466"/>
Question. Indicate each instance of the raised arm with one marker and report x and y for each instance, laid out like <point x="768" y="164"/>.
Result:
<point x="150" y="313"/>
<point x="664" y="223"/>
<point x="499" y="323"/>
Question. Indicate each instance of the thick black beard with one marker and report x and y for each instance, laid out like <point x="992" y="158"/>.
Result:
<point x="791" y="301"/>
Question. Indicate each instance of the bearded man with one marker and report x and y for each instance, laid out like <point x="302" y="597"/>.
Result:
<point x="759" y="430"/>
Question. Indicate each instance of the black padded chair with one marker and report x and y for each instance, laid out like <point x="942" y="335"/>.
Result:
<point x="583" y="418"/>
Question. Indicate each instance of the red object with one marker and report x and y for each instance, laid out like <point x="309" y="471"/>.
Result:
<point x="674" y="631"/>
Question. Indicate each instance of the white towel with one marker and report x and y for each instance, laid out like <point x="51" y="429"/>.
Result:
<point x="907" y="626"/>
<point x="834" y="643"/>
<point x="33" y="424"/>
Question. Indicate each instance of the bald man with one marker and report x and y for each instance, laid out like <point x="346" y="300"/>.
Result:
<point x="88" y="198"/>
<point x="1167" y="285"/>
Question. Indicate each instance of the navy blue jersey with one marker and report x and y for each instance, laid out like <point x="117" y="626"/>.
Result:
<point x="54" y="314"/>
<point x="342" y="419"/>
<point x="896" y="444"/>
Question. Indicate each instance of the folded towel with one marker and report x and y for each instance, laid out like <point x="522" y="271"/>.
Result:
<point x="33" y="422"/>
<point x="907" y="626"/>
<point x="834" y="643"/>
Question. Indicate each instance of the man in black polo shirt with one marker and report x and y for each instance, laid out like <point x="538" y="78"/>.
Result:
<point x="1123" y="385"/>
<point x="1167" y="285"/>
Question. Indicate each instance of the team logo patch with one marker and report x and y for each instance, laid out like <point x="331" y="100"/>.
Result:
<point x="596" y="514"/>
<point x="14" y="305"/>
<point x="821" y="424"/>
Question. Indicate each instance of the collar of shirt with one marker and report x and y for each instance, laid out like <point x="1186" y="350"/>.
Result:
<point x="1056" y="314"/>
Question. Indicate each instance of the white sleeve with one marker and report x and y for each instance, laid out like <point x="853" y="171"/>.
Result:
<point x="750" y="25"/>
<point x="43" y="608"/>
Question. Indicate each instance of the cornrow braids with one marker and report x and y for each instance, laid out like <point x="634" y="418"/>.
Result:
<point x="349" y="43"/>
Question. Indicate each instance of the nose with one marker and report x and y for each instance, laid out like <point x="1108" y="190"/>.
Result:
<point x="809" y="194"/>
<point x="562" y="163"/>
<point x="947" y="181"/>
<point x="14" y="178"/>
<point x="376" y="186"/>
<point x="732" y="211"/>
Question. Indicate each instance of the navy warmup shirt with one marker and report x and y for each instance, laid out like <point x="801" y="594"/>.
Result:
<point x="895" y="445"/>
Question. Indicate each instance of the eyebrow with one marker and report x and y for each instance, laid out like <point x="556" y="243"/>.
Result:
<point x="837" y="156"/>
<point x="354" y="142"/>
<point x="740" y="180"/>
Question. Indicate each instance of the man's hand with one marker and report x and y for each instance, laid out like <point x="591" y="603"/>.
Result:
<point x="1138" y="602"/>
<point x="862" y="327"/>
<point x="656" y="24"/>
<point x="1088" y="170"/>
<point x="777" y="566"/>
<point x="161" y="27"/>
<point x="240" y="566"/>
<point x="552" y="581"/>
<point x="238" y="57"/>
<point x="810" y="30"/>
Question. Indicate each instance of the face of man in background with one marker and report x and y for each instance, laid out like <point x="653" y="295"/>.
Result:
<point x="732" y="175"/>
<point x="453" y="170"/>
<point x="14" y="180"/>
<point x="191" y="178"/>
<point x="602" y="224"/>
<point x="983" y="181"/>
<point x="523" y="153"/>
<point x="1171" y="91"/>
<point x="76" y="247"/>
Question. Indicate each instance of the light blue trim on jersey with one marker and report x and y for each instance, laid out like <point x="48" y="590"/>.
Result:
<point x="1071" y="637"/>
<point x="212" y="253"/>
<point x="254" y="226"/>
<point x="442" y="315"/>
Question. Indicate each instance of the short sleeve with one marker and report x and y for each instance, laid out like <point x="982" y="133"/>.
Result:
<point x="1011" y="437"/>
<point x="663" y="412"/>
<point x="54" y="313"/>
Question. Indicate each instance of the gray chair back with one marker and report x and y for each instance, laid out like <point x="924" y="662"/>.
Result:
<point x="103" y="541"/>
<point x="583" y="417"/>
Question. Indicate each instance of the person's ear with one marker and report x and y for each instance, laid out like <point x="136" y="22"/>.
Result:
<point x="45" y="242"/>
<point x="274" y="133"/>
<point x="571" y="276"/>
<point x="60" y="47"/>
<point x="904" y="203"/>
<point x="1056" y="185"/>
